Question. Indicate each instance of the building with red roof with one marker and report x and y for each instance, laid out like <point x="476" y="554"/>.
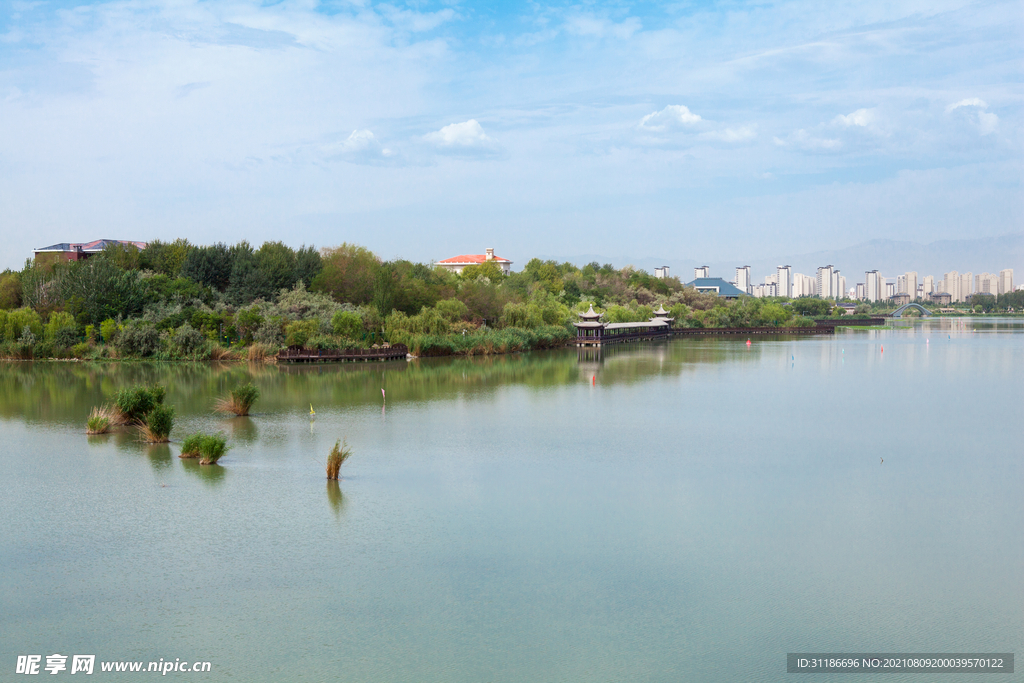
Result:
<point x="79" y="251"/>
<point x="457" y="263"/>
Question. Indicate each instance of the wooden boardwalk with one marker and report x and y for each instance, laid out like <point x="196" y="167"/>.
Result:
<point x="298" y="354"/>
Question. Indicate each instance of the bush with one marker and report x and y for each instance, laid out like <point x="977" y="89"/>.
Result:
<point x="140" y="339"/>
<point x="28" y="337"/>
<point x="156" y="426"/>
<point x="298" y="333"/>
<point x="347" y="324"/>
<point x="269" y="334"/>
<point x="100" y="421"/>
<point x="188" y="341"/>
<point x="108" y="330"/>
<point x="17" y="320"/>
<point x="211" y="448"/>
<point x="81" y="350"/>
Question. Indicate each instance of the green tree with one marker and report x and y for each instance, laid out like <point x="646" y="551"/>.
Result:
<point x="276" y="264"/>
<point x="209" y="266"/>
<point x="10" y="290"/>
<point x="348" y="274"/>
<point x="165" y="258"/>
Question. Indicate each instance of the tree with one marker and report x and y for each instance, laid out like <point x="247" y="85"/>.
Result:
<point x="307" y="264"/>
<point x="168" y="259"/>
<point x="209" y="266"/>
<point x="10" y="290"/>
<point x="348" y="274"/>
<point x="247" y="280"/>
<point x="276" y="264"/>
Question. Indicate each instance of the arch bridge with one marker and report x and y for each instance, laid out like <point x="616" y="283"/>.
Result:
<point x="898" y="313"/>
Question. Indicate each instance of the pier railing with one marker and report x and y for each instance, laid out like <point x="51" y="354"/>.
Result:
<point x="299" y="354"/>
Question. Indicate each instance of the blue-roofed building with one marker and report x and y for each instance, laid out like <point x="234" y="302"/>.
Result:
<point x="724" y="289"/>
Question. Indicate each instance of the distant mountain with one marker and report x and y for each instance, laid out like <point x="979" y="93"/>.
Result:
<point x="889" y="257"/>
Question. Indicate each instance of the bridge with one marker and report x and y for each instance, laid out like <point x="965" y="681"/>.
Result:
<point x="898" y="313"/>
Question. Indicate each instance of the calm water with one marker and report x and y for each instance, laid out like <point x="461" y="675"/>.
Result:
<point x="682" y="511"/>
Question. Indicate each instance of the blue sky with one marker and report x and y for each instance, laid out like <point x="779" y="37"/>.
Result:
<point x="687" y="131"/>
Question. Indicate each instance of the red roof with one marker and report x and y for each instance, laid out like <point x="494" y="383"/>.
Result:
<point x="473" y="258"/>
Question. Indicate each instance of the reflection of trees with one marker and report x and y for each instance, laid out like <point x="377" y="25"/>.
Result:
<point x="66" y="392"/>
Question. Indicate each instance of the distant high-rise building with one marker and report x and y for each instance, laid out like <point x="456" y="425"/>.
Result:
<point x="911" y="278"/>
<point x="825" y="282"/>
<point x="920" y="291"/>
<point x="901" y="284"/>
<point x="804" y="285"/>
<point x="986" y="283"/>
<point x="703" y="271"/>
<point x="743" y="279"/>
<point x="841" y="292"/>
<point x="874" y="286"/>
<point x="966" y="286"/>
<point x="1006" y="281"/>
<point x="861" y="291"/>
<point x="890" y="290"/>
<point x="951" y="285"/>
<point x="929" y="285"/>
<point x="785" y="279"/>
<point x="661" y="271"/>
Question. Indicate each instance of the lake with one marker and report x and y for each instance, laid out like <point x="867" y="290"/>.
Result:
<point x="685" y="510"/>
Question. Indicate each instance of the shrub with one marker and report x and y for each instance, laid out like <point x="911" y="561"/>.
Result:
<point x="298" y="333"/>
<point x="188" y="341"/>
<point x="16" y="322"/>
<point x="211" y="448"/>
<point x="66" y="337"/>
<point x="269" y="333"/>
<point x="336" y="458"/>
<point x="156" y="426"/>
<point x="108" y="330"/>
<point x="81" y="349"/>
<point x="141" y="339"/>
<point x="190" y="445"/>
<point x="347" y="324"/>
<point x="239" y="401"/>
<point x="28" y="337"/>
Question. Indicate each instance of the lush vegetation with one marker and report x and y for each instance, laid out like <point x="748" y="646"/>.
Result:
<point x="212" y="448"/>
<point x="190" y="445"/>
<point x="179" y="301"/>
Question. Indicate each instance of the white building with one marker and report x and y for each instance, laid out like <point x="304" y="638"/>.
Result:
<point x="986" y="283"/>
<point x="966" y="286"/>
<point x="661" y="272"/>
<point x="702" y="271"/>
<point x="929" y="285"/>
<point x="743" y="279"/>
<point x="457" y="263"/>
<point x="1006" y="281"/>
<point x="874" y="286"/>
<point x="784" y="276"/>
<point x="861" y="292"/>
<point x="950" y="284"/>
<point x="825" y="281"/>
<point x="804" y="285"/>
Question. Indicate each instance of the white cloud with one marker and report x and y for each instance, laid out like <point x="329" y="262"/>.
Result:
<point x="969" y="102"/>
<point x="672" y="116"/>
<point x="985" y="121"/>
<point x="861" y="117"/>
<point x="416" y="22"/>
<point x="812" y="143"/>
<point x="467" y="138"/>
<point x="360" y="147"/>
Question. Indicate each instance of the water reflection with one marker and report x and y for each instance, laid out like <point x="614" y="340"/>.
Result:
<point x="335" y="498"/>
<point x="211" y="475"/>
<point x="159" y="455"/>
<point x="242" y="429"/>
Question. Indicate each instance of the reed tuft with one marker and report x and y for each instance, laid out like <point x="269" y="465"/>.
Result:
<point x="336" y="458"/>
<point x="156" y="426"/>
<point x="211" y="448"/>
<point x="239" y="400"/>
<point x="100" y="420"/>
<point x="190" y="445"/>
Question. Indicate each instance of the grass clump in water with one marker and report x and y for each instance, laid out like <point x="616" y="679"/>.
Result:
<point x="190" y="445"/>
<point x="239" y="401"/>
<point x="156" y="426"/>
<point x="100" y="420"/>
<point x="211" y="448"/>
<point x="336" y="458"/>
<point x="134" y="404"/>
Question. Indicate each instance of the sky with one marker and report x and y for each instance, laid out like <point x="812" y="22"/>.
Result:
<point x="689" y="131"/>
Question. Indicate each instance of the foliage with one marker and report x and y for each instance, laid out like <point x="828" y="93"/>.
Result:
<point x="348" y="274"/>
<point x="10" y="290"/>
<point x="336" y="458"/>
<point x="138" y="339"/>
<point x="208" y="265"/>
<point x="16" y="321"/>
<point x="108" y="330"/>
<point x="298" y="333"/>
<point x="99" y="421"/>
<point x="809" y="306"/>
<point x="188" y="341"/>
<point x="165" y="258"/>
<point x="347" y="324"/>
<point x="60" y="321"/>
